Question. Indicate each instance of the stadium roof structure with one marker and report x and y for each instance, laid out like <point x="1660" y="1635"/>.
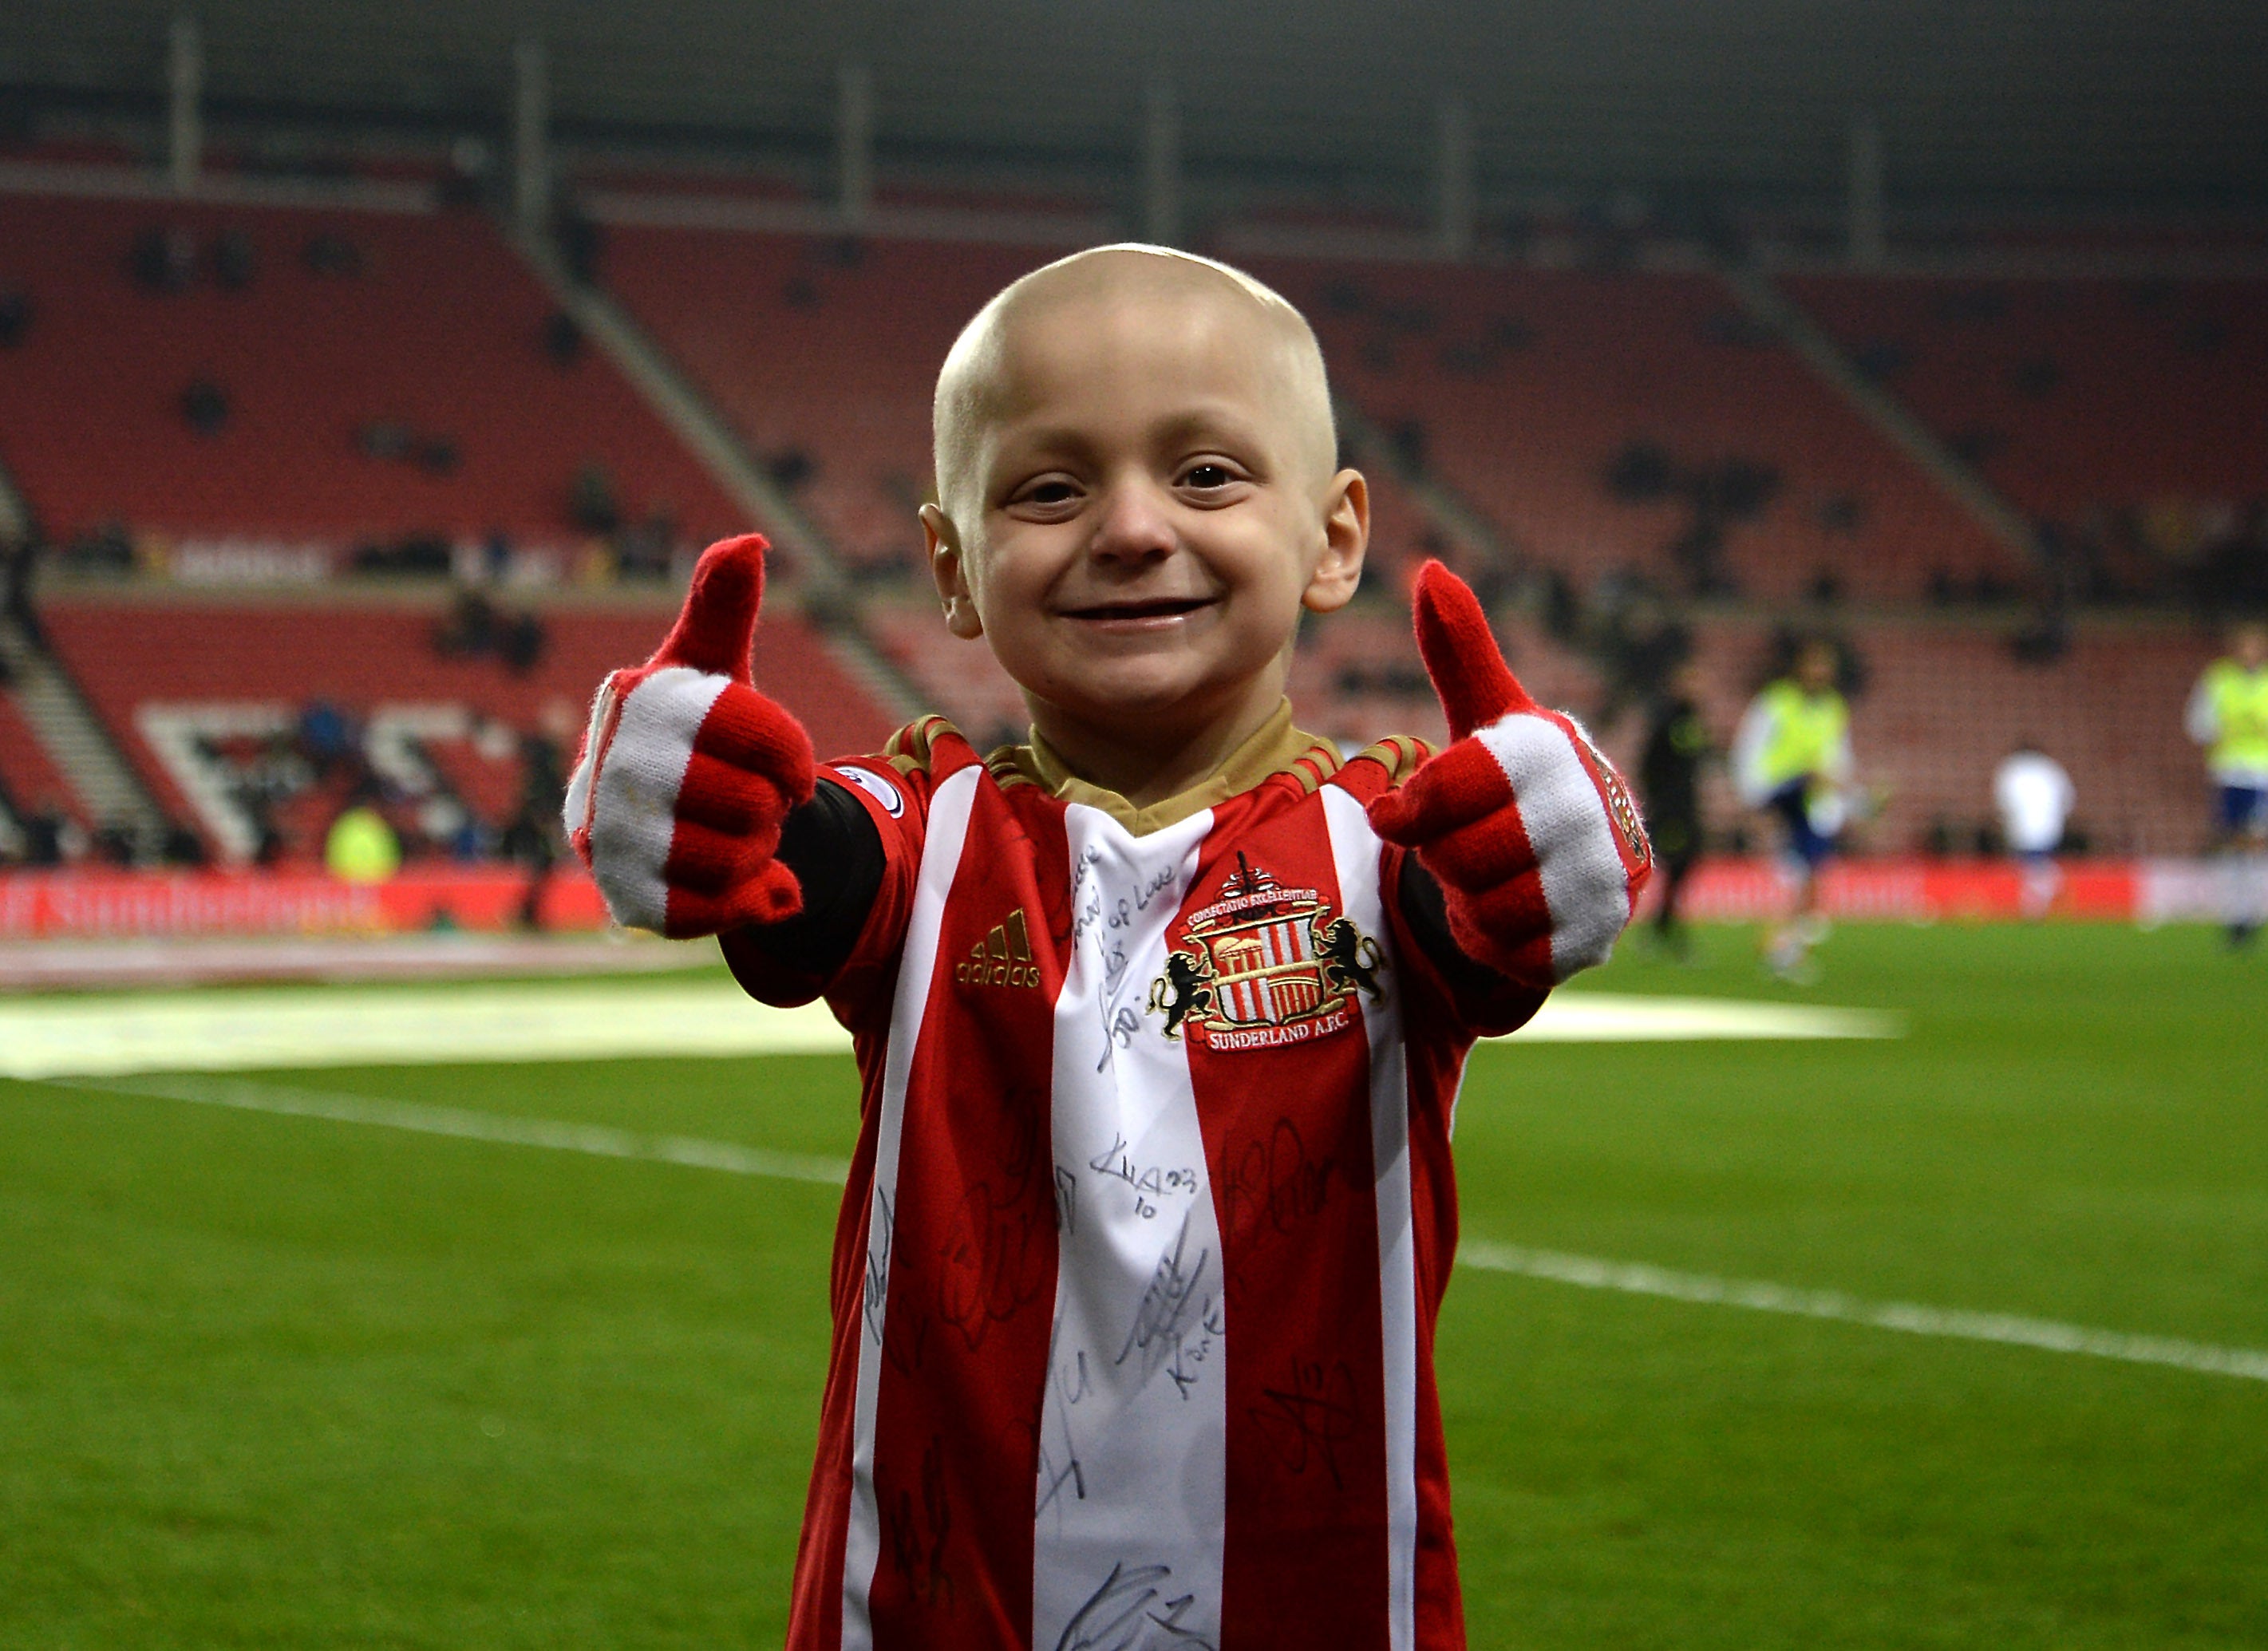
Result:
<point x="2080" y="103"/>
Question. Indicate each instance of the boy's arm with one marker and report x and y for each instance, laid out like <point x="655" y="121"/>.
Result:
<point x="835" y="849"/>
<point x="1529" y="834"/>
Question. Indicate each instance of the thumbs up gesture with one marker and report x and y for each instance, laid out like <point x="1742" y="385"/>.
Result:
<point x="1531" y="833"/>
<point x="687" y="772"/>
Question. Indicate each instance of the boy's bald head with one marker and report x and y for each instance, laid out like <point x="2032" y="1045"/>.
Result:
<point x="976" y="381"/>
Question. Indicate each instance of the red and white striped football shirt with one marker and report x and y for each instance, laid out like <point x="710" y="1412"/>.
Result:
<point x="1151" y="1215"/>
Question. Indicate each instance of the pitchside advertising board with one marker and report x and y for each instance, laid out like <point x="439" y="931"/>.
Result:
<point x="91" y="904"/>
<point x="1260" y="956"/>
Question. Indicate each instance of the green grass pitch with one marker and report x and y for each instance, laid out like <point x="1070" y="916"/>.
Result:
<point x="278" y="1382"/>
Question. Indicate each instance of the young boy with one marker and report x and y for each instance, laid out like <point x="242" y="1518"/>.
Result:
<point x="1160" y="1018"/>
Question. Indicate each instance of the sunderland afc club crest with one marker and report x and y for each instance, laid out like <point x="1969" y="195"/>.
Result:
<point x="1264" y="967"/>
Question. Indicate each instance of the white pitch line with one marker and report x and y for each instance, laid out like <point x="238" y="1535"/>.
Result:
<point x="1587" y="1272"/>
<point x="2008" y="1329"/>
<point x="111" y="1036"/>
<point x="595" y="1138"/>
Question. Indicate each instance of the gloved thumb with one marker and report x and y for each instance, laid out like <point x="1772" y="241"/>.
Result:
<point x="717" y="626"/>
<point x="1470" y="676"/>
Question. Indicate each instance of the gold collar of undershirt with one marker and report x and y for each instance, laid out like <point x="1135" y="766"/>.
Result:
<point x="1273" y="747"/>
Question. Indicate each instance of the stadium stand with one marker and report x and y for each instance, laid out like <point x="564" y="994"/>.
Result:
<point x="2072" y="395"/>
<point x="1582" y="413"/>
<point x="821" y="352"/>
<point x="177" y="682"/>
<point x="1526" y="390"/>
<point x="301" y="375"/>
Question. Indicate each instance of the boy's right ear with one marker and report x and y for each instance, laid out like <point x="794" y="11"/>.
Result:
<point x="941" y="541"/>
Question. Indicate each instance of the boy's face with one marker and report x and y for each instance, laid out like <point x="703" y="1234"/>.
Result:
<point x="1141" y="508"/>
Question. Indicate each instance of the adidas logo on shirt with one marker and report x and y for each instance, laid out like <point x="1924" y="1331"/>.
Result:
<point x="1002" y="958"/>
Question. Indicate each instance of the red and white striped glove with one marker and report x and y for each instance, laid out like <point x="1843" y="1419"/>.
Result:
<point x="687" y="772"/>
<point x="1531" y="833"/>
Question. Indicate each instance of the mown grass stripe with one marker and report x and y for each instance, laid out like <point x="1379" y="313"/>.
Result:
<point x="1585" y="1272"/>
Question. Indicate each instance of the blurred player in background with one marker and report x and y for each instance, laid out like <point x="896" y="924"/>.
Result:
<point x="2034" y="797"/>
<point x="1669" y="776"/>
<point x="2228" y="716"/>
<point x="1792" y="759"/>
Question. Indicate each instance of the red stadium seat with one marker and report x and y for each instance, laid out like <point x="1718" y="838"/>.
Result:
<point x="1526" y="385"/>
<point x="441" y="332"/>
<point x="2073" y="394"/>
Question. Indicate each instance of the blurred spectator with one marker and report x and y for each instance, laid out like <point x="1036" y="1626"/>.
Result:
<point x="234" y="263"/>
<point x="205" y="405"/>
<point x="392" y="440"/>
<point x="1412" y="445"/>
<point x="51" y="836"/>
<point x="645" y="549"/>
<point x="163" y="260"/>
<point x="182" y="846"/>
<point x="418" y="555"/>
<point x="597" y="562"/>
<point x="591" y="501"/>
<point x="19" y="560"/>
<point x="361" y="847"/>
<point x="325" y="738"/>
<point x="268" y="844"/>
<point x="790" y="468"/>
<point x="476" y="626"/>
<point x="535" y="837"/>
<point x="472" y="169"/>
<point x="384" y="439"/>
<point x="114" y="843"/>
<point x="581" y="242"/>
<point x="449" y="825"/>
<point x="521" y="645"/>
<point x="470" y="629"/>
<point x="329" y="253"/>
<point x="104" y="548"/>
<point x="1677" y="743"/>
<point x="15" y="318"/>
<point x="563" y="339"/>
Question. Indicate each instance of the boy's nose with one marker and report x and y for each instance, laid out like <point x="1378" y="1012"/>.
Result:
<point x="1134" y="524"/>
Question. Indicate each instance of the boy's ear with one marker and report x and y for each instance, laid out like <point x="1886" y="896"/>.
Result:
<point x="1346" y="536"/>
<point x="941" y="540"/>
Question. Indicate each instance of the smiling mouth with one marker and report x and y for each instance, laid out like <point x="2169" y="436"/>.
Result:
<point x="1156" y="608"/>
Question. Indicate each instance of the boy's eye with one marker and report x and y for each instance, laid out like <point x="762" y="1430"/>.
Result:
<point x="1205" y="476"/>
<point x="1048" y="492"/>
